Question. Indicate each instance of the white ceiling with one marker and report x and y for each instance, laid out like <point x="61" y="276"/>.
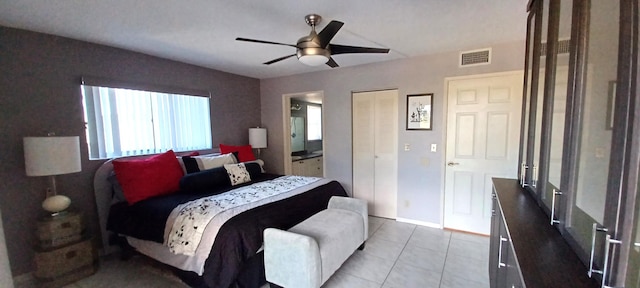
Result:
<point x="203" y="32"/>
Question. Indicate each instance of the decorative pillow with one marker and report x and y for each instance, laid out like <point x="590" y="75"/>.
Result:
<point x="192" y="153"/>
<point x="244" y="152"/>
<point x="146" y="178"/>
<point x="254" y="169"/>
<point x="205" y="162"/>
<point x="209" y="162"/>
<point x="238" y="173"/>
<point x="206" y="180"/>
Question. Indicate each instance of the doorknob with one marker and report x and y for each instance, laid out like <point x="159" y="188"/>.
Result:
<point x="452" y="163"/>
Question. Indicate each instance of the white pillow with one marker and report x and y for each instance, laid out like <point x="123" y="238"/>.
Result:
<point x="238" y="173"/>
<point x="210" y="162"/>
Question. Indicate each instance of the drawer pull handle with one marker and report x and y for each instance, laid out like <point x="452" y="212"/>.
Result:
<point x="500" y="264"/>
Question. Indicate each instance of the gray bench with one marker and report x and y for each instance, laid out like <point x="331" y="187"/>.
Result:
<point x="309" y="253"/>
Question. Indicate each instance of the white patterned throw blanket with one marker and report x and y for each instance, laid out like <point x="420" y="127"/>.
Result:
<point x="193" y="217"/>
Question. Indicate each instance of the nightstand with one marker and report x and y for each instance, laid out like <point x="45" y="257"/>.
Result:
<point x="65" y="253"/>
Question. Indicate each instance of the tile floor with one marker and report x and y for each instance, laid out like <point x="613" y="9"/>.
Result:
<point x="397" y="255"/>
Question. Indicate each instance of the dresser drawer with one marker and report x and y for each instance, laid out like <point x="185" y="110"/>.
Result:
<point x="60" y="230"/>
<point x="61" y="262"/>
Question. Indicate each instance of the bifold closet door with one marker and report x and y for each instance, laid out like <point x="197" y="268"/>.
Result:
<point x="375" y="137"/>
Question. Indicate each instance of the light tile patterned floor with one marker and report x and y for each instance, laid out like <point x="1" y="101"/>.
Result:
<point x="398" y="255"/>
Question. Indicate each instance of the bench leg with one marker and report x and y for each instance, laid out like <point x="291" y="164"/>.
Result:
<point x="361" y="246"/>
<point x="271" y="285"/>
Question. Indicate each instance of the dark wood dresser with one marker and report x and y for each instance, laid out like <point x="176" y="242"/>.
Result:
<point x="526" y="251"/>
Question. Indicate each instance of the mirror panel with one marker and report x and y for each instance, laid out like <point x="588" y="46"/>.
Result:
<point x="525" y="166"/>
<point x="559" y="103"/>
<point x="537" y="141"/>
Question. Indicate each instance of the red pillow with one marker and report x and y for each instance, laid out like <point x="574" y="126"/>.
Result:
<point x="182" y="154"/>
<point x="244" y="152"/>
<point x="145" y="178"/>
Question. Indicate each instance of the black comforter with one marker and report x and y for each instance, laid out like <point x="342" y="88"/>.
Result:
<point x="237" y="240"/>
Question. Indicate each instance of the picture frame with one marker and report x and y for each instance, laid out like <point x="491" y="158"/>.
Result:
<point x="611" y="105"/>
<point x="420" y="111"/>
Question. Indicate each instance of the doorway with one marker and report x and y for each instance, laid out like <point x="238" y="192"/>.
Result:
<point x="303" y="136"/>
<point x="483" y="133"/>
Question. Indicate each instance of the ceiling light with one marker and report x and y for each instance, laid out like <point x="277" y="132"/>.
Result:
<point x="313" y="56"/>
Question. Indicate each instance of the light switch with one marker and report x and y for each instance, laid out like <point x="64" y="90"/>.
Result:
<point x="407" y="147"/>
<point x="434" y="147"/>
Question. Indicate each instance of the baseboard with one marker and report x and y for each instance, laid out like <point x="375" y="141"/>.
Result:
<point x="421" y="223"/>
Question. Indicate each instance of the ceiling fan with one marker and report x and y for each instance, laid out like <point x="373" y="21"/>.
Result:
<point x="315" y="48"/>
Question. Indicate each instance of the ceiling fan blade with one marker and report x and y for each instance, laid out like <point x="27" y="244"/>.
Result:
<point x="329" y="31"/>
<point x="278" y="59"/>
<point x="264" y="42"/>
<point x="332" y="63"/>
<point x="343" y="49"/>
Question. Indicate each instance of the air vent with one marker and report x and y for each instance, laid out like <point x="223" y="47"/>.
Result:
<point x="475" y="57"/>
<point x="563" y="47"/>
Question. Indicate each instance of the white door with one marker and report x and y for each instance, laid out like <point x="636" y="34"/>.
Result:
<point x="375" y="137"/>
<point x="483" y="130"/>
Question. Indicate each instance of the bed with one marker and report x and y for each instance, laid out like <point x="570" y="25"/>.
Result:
<point x="229" y="252"/>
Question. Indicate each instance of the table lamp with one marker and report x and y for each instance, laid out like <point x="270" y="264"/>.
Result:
<point x="258" y="138"/>
<point x="51" y="156"/>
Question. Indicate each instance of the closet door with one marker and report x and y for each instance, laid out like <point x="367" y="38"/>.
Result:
<point x="375" y="137"/>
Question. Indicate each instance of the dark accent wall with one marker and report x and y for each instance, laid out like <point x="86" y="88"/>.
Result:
<point x="40" y="92"/>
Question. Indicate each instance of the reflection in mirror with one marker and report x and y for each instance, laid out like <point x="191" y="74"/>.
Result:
<point x="297" y="134"/>
<point x="524" y="179"/>
<point x="560" y="95"/>
<point x="539" y="102"/>
<point x="595" y="142"/>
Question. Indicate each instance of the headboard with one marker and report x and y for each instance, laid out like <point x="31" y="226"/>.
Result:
<point x="103" y="192"/>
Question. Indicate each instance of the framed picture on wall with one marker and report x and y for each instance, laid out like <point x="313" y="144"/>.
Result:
<point x="419" y="111"/>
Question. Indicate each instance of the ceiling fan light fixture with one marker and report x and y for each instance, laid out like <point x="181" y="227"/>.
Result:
<point x="313" y="56"/>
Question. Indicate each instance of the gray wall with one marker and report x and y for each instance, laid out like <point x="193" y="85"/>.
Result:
<point x="420" y="172"/>
<point x="40" y="92"/>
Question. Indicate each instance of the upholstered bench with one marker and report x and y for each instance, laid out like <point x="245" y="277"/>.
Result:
<point x="309" y="253"/>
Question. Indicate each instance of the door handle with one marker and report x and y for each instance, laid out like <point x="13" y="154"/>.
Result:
<point x="607" y="243"/>
<point x="452" y="163"/>
<point x="594" y="230"/>
<point x="553" y="206"/>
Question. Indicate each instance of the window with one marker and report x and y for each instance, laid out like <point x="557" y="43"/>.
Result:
<point x="314" y="122"/>
<point x="124" y="122"/>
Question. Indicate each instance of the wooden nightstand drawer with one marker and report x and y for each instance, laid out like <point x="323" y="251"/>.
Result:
<point x="60" y="230"/>
<point x="57" y="267"/>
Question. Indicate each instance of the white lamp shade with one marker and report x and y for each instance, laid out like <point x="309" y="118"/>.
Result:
<point x="258" y="137"/>
<point x="46" y="156"/>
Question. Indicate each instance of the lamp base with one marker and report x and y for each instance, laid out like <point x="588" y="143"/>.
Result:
<point x="56" y="204"/>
